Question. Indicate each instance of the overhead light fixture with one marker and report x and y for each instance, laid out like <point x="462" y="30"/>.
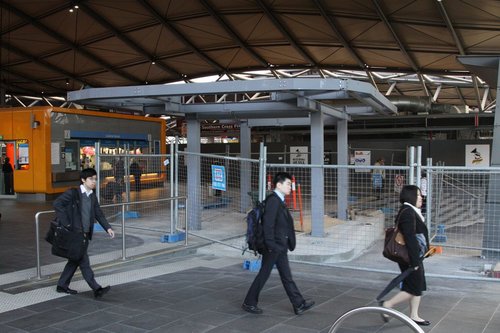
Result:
<point x="67" y="82"/>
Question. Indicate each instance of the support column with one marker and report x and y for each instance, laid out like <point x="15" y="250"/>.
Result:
<point x="245" y="166"/>
<point x="317" y="176"/>
<point x="193" y="174"/>
<point x="342" y="174"/>
<point x="491" y="233"/>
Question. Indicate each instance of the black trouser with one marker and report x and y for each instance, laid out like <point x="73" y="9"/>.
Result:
<point x="70" y="269"/>
<point x="268" y="261"/>
<point x="9" y="182"/>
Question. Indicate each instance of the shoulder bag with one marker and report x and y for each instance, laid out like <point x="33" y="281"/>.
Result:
<point x="65" y="242"/>
<point x="394" y="245"/>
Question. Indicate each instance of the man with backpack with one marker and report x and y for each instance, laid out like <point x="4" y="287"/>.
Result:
<point x="279" y="237"/>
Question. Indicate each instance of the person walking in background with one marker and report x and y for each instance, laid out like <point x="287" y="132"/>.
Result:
<point x="81" y="210"/>
<point x="136" y="171"/>
<point x="119" y="173"/>
<point x="279" y="237"/>
<point x="412" y="226"/>
<point x="8" y="174"/>
<point x="378" y="177"/>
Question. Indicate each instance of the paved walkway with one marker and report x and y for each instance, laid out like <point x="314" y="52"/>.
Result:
<point x="202" y="292"/>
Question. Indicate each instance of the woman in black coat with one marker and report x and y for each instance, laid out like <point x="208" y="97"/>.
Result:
<point x="412" y="226"/>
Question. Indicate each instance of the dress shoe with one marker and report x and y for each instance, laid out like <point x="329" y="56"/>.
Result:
<point x="385" y="317"/>
<point x="306" y="305"/>
<point x="422" y="323"/>
<point x="66" y="290"/>
<point x="101" y="291"/>
<point x="251" y="308"/>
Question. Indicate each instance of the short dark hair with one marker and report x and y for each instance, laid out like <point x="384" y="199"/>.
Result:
<point x="409" y="194"/>
<point x="86" y="173"/>
<point x="280" y="177"/>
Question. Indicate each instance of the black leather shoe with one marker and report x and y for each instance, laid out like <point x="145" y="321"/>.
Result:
<point x="66" y="290"/>
<point x="422" y="323"/>
<point x="303" y="307"/>
<point x="101" y="291"/>
<point x="251" y="308"/>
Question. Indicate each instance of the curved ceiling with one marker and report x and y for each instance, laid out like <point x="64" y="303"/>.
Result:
<point x="403" y="47"/>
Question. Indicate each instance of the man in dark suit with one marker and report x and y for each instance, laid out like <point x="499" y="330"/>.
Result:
<point x="279" y="236"/>
<point x="80" y="208"/>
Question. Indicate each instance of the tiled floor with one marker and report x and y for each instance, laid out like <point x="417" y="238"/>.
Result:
<point x="203" y="293"/>
<point x="208" y="299"/>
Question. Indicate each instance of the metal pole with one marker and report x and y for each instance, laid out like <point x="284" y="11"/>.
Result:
<point x="98" y="169"/>
<point x="428" y="202"/>
<point x="172" y="194"/>
<point x="411" y="172"/>
<point x="124" y="255"/>
<point x="176" y="181"/>
<point x="126" y="147"/>
<point x="37" y="235"/>
<point x="262" y="176"/>
<point x="186" y="220"/>
<point x="398" y="315"/>
<point x="419" y="164"/>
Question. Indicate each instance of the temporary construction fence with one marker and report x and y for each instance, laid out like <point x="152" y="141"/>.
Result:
<point x="358" y="203"/>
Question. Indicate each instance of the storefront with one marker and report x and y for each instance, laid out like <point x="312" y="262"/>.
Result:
<point x="48" y="147"/>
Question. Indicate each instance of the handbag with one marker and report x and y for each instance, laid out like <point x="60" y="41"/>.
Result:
<point x="394" y="245"/>
<point x="65" y="242"/>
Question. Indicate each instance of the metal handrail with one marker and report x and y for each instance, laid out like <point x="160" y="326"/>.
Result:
<point x="123" y="204"/>
<point x="387" y="311"/>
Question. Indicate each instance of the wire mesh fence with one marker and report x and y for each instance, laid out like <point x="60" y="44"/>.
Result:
<point x="143" y="179"/>
<point x="461" y="218"/>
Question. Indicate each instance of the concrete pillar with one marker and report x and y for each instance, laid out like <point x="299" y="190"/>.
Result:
<point x="342" y="174"/>
<point x="245" y="167"/>
<point x="491" y="232"/>
<point x="317" y="176"/>
<point x="193" y="174"/>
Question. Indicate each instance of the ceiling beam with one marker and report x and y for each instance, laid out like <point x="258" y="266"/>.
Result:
<point x="292" y="40"/>
<point x="340" y="35"/>
<point x="106" y="24"/>
<point x="11" y="88"/>
<point x="24" y="77"/>
<point x="231" y="32"/>
<point x="401" y="46"/>
<point x="62" y="39"/>
<point x="460" y="48"/>
<point x="11" y="48"/>
<point x="167" y="24"/>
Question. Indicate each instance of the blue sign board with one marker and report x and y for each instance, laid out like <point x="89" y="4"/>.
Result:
<point x="218" y="177"/>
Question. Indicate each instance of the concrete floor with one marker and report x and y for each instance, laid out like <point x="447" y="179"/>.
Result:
<point x="201" y="289"/>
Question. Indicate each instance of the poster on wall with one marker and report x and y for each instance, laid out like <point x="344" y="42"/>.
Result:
<point x="23" y="153"/>
<point x="299" y="155"/>
<point x="362" y="157"/>
<point x="477" y="156"/>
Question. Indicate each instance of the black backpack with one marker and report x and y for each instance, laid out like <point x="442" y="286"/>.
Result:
<point x="255" y="230"/>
